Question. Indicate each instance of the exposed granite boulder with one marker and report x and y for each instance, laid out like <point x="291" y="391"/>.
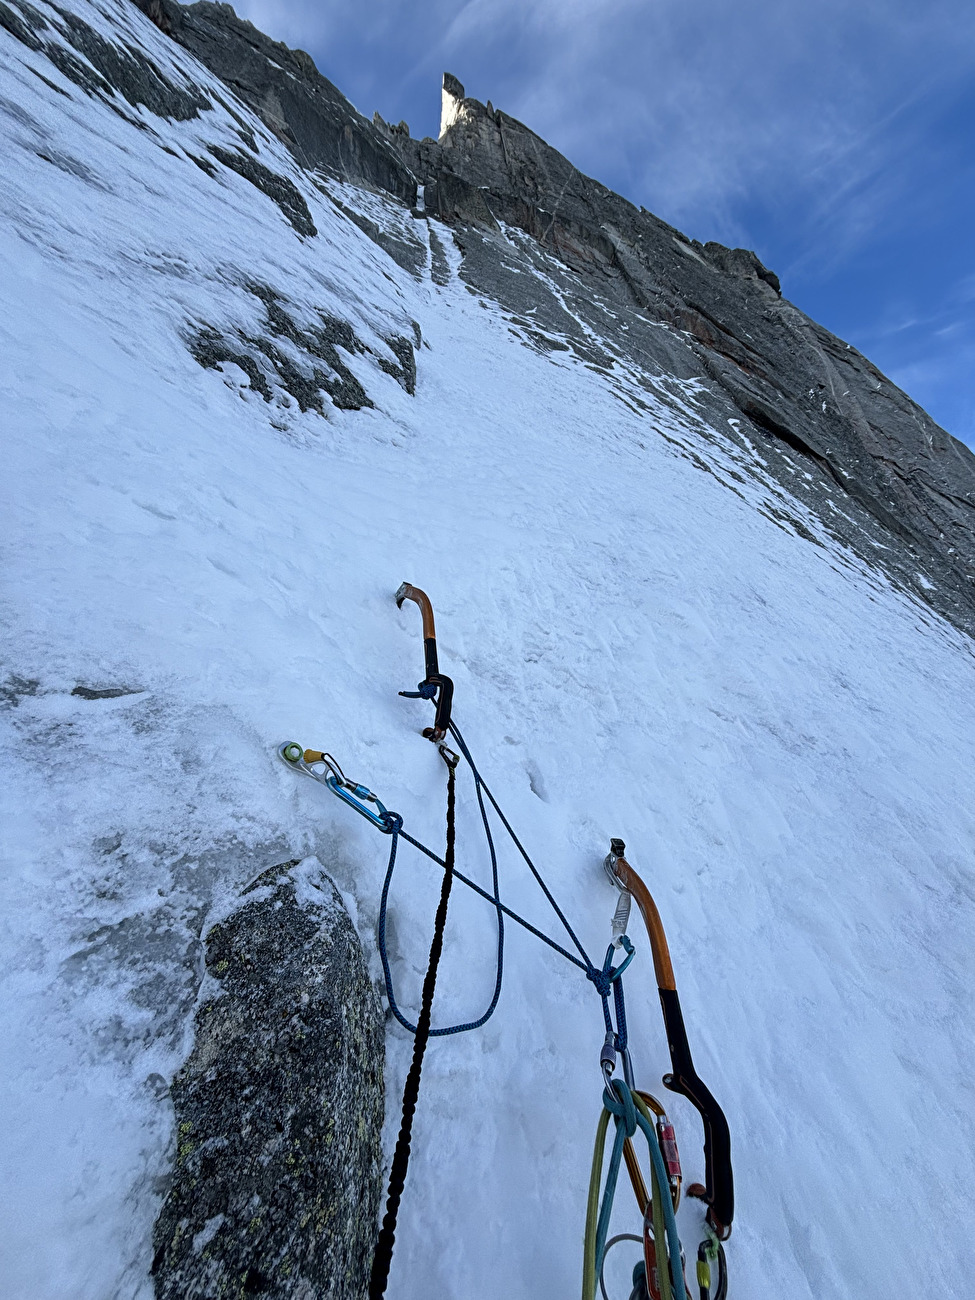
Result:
<point x="279" y="1108"/>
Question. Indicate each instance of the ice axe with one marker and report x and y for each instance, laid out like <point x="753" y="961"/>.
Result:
<point x="435" y="686"/>
<point x="719" y="1193"/>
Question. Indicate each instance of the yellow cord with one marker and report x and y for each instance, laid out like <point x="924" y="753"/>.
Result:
<point x="592" y="1210"/>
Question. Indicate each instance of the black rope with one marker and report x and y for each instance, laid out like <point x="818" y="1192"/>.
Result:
<point x="526" y="925"/>
<point x="401" y="1157"/>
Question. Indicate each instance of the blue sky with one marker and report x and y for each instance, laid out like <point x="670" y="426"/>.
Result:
<point x="835" y="137"/>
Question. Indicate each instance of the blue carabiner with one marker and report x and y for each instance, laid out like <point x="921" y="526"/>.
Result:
<point x="615" y="972"/>
<point x="353" y="794"/>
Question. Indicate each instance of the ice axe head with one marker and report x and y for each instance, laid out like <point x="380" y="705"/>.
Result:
<point x="616" y="850"/>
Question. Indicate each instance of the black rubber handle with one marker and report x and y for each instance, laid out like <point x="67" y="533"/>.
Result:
<point x="430" y="657"/>
<point x="717" y="1136"/>
<point x="445" y="696"/>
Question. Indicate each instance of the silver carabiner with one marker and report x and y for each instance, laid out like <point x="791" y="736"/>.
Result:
<point x="607" y="1061"/>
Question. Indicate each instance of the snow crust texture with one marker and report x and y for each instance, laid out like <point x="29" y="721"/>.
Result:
<point x="227" y="440"/>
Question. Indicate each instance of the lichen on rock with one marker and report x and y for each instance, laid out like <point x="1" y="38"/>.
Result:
<point x="279" y="1108"/>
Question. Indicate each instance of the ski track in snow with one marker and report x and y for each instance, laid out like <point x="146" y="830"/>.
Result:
<point x="783" y="740"/>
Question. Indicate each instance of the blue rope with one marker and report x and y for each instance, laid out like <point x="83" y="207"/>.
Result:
<point x="608" y="980"/>
<point x="526" y="925"/>
<point x="519" y="846"/>
<point x="621" y="1037"/>
<point x="394" y="823"/>
<point x="605" y="979"/>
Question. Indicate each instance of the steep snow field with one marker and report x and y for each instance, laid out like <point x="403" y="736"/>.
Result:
<point x="783" y="740"/>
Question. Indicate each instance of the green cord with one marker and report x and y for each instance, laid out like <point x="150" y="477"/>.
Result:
<point x="592" y="1210"/>
<point x="660" y="1236"/>
<point x="659" y="1228"/>
<point x="666" y="1241"/>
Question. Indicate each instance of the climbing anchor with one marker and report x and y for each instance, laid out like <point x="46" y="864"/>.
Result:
<point x="323" y="768"/>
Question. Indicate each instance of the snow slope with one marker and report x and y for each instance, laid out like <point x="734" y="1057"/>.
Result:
<point x="639" y="649"/>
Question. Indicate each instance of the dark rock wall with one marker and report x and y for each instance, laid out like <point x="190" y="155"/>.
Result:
<point x="788" y="376"/>
<point x="279" y="1108"/>
<point x="285" y="89"/>
<point x="722" y="315"/>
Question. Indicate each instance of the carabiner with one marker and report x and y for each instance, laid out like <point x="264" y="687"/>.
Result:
<point x="607" y="1061"/>
<point x="355" y="795"/>
<point x="614" y="972"/>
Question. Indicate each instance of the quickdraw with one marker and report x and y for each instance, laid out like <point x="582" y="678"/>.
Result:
<point x="323" y="767"/>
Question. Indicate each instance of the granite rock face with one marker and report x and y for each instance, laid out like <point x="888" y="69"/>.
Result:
<point x="117" y="73"/>
<point x="279" y="1108"/>
<point x="883" y="477"/>
<point x="790" y="378"/>
<point x="286" y="90"/>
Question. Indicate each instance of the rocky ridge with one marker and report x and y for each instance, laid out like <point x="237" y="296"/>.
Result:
<point x="762" y="358"/>
<point x="614" y="283"/>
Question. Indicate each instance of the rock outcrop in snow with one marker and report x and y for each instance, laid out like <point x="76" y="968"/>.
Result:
<point x="277" y="1171"/>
